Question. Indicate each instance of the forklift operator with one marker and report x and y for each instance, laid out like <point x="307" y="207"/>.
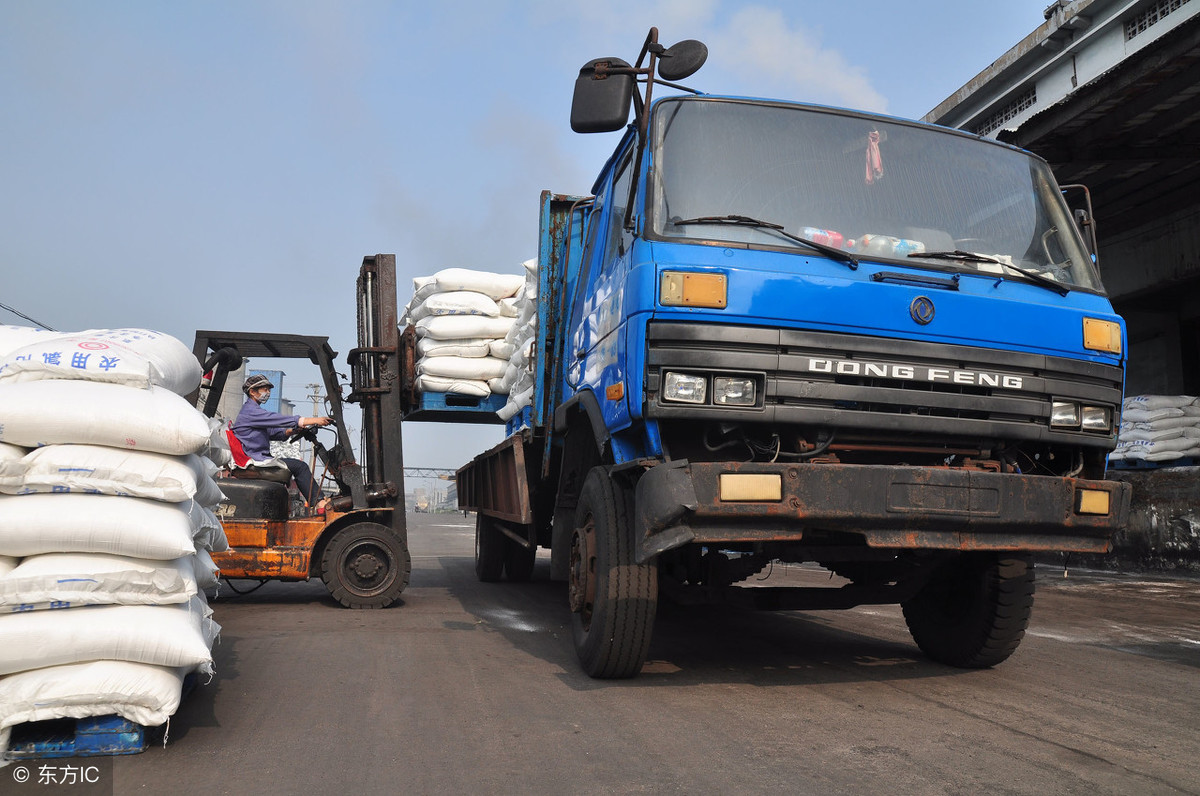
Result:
<point x="255" y="427"/>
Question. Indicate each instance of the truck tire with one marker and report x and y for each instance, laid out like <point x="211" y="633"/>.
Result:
<point x="612" y="598"/>
<point x="489" y="549"/>
<point x="366" y="565"/>
<point x="518" y="560"/>
<point x="974" y="612"/>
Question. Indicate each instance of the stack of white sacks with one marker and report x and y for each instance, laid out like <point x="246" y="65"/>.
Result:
<point x="462" y="319"/>
<point x="517" y="381"/>
<point x="106" y="524"/>
<point x="1158" y="428"/>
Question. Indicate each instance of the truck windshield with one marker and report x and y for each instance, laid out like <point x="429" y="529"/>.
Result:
<point x="873" y="187"/>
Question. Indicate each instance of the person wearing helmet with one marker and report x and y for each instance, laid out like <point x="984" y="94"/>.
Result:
<point x="255" y="427"/>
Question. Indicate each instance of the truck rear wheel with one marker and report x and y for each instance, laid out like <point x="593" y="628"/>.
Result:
<point x="366" y="565"/>
<point x="518" y="560"/>
<point x="612" y="598"/>
<point x="489" y="549"/>
<point x="974" y="612"/>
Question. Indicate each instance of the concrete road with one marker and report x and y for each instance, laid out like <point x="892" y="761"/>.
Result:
<point x="473" y="688"/>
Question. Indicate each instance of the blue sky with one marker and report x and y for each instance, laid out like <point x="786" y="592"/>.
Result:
<point x="226" y="165"/>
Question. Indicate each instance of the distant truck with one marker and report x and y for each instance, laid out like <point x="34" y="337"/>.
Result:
<point x="786" y="332"/>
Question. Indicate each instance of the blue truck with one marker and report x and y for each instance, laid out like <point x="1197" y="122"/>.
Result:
<point x="779" y="332"/>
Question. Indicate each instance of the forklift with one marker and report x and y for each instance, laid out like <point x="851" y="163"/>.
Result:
<point x="359" y="545"/>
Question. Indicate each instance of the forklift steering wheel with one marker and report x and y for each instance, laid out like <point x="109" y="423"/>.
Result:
<point x="307" y="433"/>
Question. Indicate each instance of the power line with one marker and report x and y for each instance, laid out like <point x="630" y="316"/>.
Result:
<point x="47" y="327"/>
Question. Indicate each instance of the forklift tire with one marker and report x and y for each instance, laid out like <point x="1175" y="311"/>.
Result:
<point x="518" y="560"/>
<point x="612" y="598"/>
<point x="366" y="565"/>
<point x="489" y="549"/>
<point x="973" y="613"/>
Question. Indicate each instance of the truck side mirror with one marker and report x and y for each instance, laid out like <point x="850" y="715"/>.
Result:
<point x="682" y="59"/>
<point x="1084" y="217"/>
<point x="601" y="100"/>
<point x="1083" y="221"/>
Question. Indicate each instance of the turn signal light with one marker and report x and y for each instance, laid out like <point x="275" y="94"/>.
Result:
<point x="1101" y="335"/>
<point x="1092" y="501"/>
<point x="692" y="289"/>
<point x="750" y="487"/>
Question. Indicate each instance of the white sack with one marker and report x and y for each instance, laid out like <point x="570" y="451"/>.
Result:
<point x="502" y="349"/>
<point x="11" y="460"/>
<point x="208" y="574"/>
<point x="60" y="412"/>
<point x="112" y="471"/>
<point x="8" y="564"/>
<point x="137" y="692"/>
<point x="478" y="389"/>
<point x="163" y="635"/>
<point x="423" y="288"/>
<point x="516" y="403"/>
<point x="531" y="278"/>
<point x="457" y="327"/>
<point x="495" y="286"/>
<point x="207" y="531"/>
<point x="429" y="347"/>
<point x="1149" y="415"/>
<point x="133" y="357"/>
<point x="1157" y="450"/>
<point x="1149" y="434"/>
<point x="455" y="302"/>
<point x="14" y="337"/>
<point x="35" y="524"/>
<point x="217" y="449"/>
<point x="504" y="384"/>
<point x="527" y="315"/>
<point x="66" y="580"/>
<point x="473" y="368"/>
<point x="510" y="307"/>
<point x="1184" y="421"/>
<point x="1151" y="402"/>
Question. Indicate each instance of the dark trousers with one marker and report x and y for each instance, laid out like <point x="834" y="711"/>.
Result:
<point x="304" y="479"/>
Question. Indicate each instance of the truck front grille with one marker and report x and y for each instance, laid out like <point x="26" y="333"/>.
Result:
<point x="878" y="384"/>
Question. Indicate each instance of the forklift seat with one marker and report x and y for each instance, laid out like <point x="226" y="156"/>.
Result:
<point x="245" y="467"/>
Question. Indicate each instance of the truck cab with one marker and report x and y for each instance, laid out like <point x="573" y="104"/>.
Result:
<point x="781" y="331"/>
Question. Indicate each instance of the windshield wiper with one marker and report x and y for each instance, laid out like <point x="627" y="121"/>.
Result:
<point x="971" y="257"/>
<point x="747" y="221"/>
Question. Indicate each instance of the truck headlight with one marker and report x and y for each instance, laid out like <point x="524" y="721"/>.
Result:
<point x="734" y="391"/>
<point x="1064" y="414"/>
<point x="685" y="388"/>
<point x="1096" y="418"/>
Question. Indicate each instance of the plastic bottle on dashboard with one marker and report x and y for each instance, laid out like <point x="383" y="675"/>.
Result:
<point x="887" y="246"/>
<point x="879" y="245"/>
<point x="826" y="236"/>
<point x="905" y="247"/>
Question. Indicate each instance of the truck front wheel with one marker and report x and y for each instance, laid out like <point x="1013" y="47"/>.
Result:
<point x="974" y="611"/>
<point x="366" y="565"/>
<point x="612" y="598"/>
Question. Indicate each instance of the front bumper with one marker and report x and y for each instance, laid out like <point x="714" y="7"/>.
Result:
<point x="886" y="506"/>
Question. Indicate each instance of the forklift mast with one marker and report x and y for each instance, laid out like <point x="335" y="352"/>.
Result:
<point x="375" y="384"/>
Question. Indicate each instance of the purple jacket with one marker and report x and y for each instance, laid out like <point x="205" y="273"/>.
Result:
<point x="255" y="427"/>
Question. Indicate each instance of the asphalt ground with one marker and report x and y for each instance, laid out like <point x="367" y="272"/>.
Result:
<point x="468" y="687"/>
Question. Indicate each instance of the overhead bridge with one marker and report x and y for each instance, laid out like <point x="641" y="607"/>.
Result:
<point x="443" y="473"/>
